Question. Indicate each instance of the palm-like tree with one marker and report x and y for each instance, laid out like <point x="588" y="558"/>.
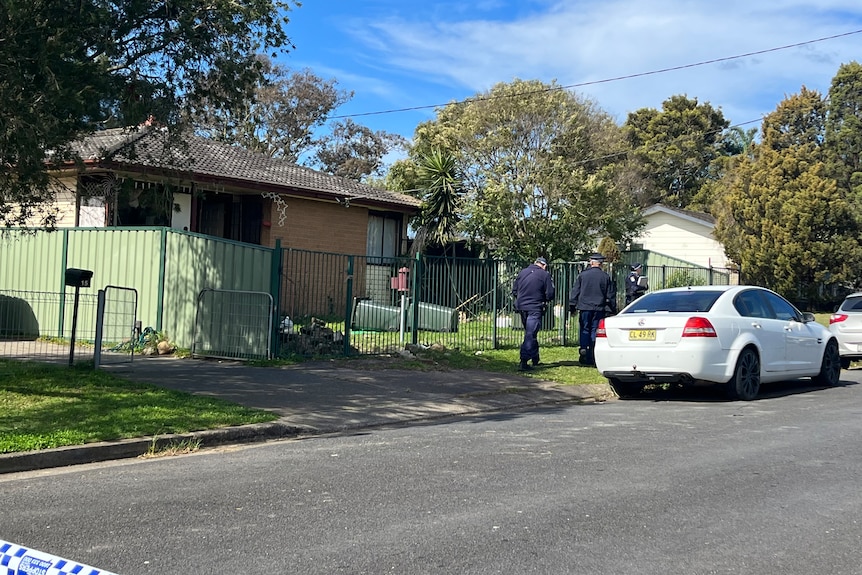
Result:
<point x="442" y="189"/>
<point x="740" y="141"/>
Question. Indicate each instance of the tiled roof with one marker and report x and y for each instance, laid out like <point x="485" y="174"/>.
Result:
<point x="148" y="148"/>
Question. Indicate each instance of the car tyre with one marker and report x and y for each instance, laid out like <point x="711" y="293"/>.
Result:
<point x="830" y="367"/>
<point x="625" y="389"/>
<point x="745" y="383"/>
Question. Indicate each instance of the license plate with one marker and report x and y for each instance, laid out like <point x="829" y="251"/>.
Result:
<point x="642" y="335"/>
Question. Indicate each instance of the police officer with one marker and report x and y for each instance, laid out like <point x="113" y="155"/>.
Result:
<point x="593" y="296"/>
<point x="633" y="288"/>
<point x="532" y="289"/>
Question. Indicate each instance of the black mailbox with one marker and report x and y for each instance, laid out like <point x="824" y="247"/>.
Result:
<point x="78" y="278"/>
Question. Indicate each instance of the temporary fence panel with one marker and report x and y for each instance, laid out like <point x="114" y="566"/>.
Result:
<point x="232" y="324"/>
<point x="38" y="325"/>
<point x="116" y="333"/>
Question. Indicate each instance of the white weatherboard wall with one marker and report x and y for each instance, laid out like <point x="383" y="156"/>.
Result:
<point x="681" y="236"/>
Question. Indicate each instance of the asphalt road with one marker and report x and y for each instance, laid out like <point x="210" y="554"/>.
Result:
<point x="682" y="484"/>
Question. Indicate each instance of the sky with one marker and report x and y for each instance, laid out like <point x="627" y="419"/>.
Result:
<point x="742" y="56"/>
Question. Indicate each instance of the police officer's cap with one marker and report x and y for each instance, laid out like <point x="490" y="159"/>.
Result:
<point x="541" y="260"/>
<point x="636" y="266"/>
<point x="597" y="257"/>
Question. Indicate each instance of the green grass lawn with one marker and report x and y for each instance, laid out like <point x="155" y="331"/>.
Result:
<point x="46" y="406"/>
<point x="558" y="364"/>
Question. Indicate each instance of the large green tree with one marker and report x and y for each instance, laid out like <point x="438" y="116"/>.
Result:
<point x="286" y="117"/>
<point x="283" y="118"/>
<point x="844" y="130"/>
<point x="785" y="221"/>
<point x="354" y="151"/>
<point x="676" y="147"/>
<point x="538" y="170"/>
<point x="68" y="67"/>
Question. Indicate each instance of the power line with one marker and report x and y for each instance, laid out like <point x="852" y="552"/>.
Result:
<point x="606" y="80"/>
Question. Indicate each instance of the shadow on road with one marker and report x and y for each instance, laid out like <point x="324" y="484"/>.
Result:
<point x="715" y="393"/>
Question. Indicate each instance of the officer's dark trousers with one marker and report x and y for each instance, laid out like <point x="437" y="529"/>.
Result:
<point x="588" y="322"/>
<point x="532" y="321"/>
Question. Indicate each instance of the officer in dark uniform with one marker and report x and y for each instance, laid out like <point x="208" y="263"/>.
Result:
<point x="634" y="289"/>
<point x="592" y="297"/>
<point x="532" y="290"/>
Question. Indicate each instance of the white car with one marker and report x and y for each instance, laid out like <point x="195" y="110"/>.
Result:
<point x="846" y="324"/>
<point x="736" y="336"/>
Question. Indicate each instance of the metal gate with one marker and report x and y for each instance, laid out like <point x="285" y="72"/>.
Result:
<point x="233" y="324"/>
<point x="117" y="328"/>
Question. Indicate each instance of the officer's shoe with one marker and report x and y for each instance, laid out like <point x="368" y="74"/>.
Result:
<point x="536" y="361"/>
<point x="524" y="366"/>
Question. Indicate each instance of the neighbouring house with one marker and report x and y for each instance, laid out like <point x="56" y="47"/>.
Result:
<point x="682" y="234"/>
<point x="141" y="177"/>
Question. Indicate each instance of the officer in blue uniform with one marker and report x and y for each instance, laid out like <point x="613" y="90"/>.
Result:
<point x="532" y="290"/>
<point x="592" y="297"/>
<point x="634" y="289"/>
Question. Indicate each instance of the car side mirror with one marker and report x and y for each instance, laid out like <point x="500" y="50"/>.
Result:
<point x="808" y="317"/>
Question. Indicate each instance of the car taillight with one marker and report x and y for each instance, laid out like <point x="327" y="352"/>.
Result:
<point x="600" y="331"/>
<point x="698" y="327"/>
<point x="837" y="317"/>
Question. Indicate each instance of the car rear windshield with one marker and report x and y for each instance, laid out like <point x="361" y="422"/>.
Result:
<point x="681" y="301"/>
<point x="852" y="304"/>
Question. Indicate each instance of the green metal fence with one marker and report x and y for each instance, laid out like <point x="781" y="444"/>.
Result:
<point x="334" y="303"/>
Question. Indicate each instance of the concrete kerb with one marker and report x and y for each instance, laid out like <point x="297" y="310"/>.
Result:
<point x="137" y="447"/>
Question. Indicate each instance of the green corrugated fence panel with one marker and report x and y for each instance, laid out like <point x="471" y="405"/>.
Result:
<point x="195" y="262"/>
<point x="123" y="257"/>
<point x="31" y="261"/>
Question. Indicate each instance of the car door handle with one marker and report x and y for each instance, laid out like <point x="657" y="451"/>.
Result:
<point x="755" y="325"/>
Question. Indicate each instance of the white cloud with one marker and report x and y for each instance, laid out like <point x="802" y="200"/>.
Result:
<point x="583" y="42"/>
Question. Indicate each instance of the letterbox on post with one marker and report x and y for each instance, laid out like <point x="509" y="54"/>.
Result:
<point x="78" y="278"/>
<point x="399" y="282"/>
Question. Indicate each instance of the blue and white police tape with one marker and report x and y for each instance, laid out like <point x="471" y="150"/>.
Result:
<point x="18" y="560"/>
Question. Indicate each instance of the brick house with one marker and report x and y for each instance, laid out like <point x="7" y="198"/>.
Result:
<point x="140" y="177"/>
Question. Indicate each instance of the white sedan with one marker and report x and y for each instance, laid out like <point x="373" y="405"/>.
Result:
<point x="737" y="336"/>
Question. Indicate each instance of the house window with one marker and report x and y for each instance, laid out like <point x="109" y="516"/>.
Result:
<point x="384" y="235"/>
<point x="140" y="203"/>
<point x="230" y="216"/>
